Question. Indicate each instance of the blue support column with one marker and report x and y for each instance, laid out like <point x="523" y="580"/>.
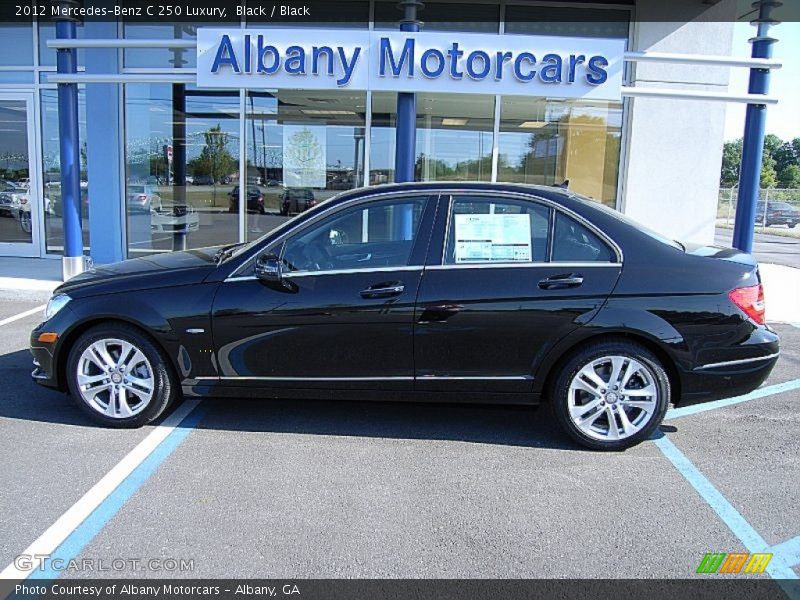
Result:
<point x="103" y="147"/>
<point x="755" y="121"/>
<point x="406" y="130"/>
<point x="66" y="62"/>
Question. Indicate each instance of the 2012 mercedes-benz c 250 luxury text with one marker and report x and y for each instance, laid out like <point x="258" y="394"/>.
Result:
<point x="492" y="293"/>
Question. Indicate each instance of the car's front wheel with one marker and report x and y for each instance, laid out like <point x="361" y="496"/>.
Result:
<point x="611" y="395"/>
<point x="119" y="377"/>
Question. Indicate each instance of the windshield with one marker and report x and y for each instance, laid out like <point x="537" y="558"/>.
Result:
<point x="628" y="221"/>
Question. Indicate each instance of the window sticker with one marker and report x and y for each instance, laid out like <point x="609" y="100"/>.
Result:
<point x="493" y="238"/>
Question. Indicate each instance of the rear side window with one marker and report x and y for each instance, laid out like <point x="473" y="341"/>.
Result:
<point x="496" y="230"/>
<point x="574" y="242"/>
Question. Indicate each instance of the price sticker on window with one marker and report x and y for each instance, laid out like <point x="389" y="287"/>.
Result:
<point x="493" y="238"/>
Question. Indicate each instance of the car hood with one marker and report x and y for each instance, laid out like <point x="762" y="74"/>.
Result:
<point x="158" y="270"/>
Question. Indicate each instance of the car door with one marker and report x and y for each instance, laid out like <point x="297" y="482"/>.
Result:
<point x="506" y="278"/>
<point x="342" y="317"/>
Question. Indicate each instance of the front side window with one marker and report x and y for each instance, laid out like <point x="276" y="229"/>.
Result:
<point x="373" y="235"/>
<point x="496" y="230"/>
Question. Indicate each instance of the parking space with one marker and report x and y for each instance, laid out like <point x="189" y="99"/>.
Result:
<point x="351" y="489"/>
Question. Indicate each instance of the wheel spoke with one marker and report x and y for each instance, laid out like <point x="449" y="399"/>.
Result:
<point x="88" y="380"/>
<point x="613" y="428"/>
<point x="101" y="356"/>
<point x="628" y="428"/>
<point x="137" y="359"/>
<point x="632" y="368"/>
<point x="588" y="421"/>
<point x="589" y="373"/>
<point x="111" y="408"/>
<point x="140" y="385"/>
<point x="649" y="390"/>
<point x="647" y="406"/>
<point x="580" y="384"/>
<point x="122" y="402"/>
<point x="617" y="363"/>
<point x="579" y="411"/>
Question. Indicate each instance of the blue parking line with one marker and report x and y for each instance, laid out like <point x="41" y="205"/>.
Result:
<point x="751" y="539"/>
<point x="769" y="390"/>
<point x="94" y="523"/>
<point x="789" y="551"/>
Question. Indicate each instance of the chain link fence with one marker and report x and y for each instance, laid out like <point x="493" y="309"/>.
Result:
<point x="771" y="201"/>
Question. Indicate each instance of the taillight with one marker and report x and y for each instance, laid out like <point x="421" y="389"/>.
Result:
<point x="751" y="300"/>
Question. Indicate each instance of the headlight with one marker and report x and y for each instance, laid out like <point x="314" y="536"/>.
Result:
<point x="55" y="304"/>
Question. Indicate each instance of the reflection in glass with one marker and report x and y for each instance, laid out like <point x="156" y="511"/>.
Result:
<point x="162" y="58"/>
<point x="47" y="56"/>
<point x="548" y="142"/>
<point x="16" y="44"/>
<point x="51" y="172"/>
<point x="182" y="167"/>
<point x="15" y="202"/>
<point x="454" y="137"/>
<point x="302" y="148"/>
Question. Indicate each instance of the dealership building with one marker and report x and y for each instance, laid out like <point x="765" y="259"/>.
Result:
<point x="172" y="139"/>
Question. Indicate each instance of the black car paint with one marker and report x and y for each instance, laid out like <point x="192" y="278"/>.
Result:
<point x="493" y="333"/>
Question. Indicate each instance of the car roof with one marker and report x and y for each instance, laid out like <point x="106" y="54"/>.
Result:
<point x="543" y="191"/>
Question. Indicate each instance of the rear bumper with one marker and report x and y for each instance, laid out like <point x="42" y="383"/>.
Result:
<point x="733" y="377"/>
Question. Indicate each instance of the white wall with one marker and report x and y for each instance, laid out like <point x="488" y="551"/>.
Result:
<point x="674" y="153"/>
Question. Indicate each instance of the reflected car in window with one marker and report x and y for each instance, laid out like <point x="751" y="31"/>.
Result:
<point x="464" y="292"/>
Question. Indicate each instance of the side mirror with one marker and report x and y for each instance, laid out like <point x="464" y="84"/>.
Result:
<point x="268" y="268"/>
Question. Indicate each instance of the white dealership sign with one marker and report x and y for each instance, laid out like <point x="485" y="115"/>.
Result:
<point x="558" y="67"/>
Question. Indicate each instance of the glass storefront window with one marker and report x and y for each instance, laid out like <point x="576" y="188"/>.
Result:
<point x="162" y="58"/>
<point x="438" y="16"/>
<point x="15" y="182"/>
<point x="51" y="171"/>
<point x="454" y="137"/>
<point x="567" y="21"/>
<point x="181" y="167"/>
<point x="47" y="56"/>
<point x="302" y="147"/>
<point x="548" y="142"/>
<point x="16" y="44"/>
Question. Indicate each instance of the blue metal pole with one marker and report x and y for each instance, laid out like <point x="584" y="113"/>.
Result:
<point x="406" y="130"/>
<point x="66" y="62"/>
<point x="753" y="144"/>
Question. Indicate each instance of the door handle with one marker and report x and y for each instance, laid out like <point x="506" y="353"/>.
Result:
<point x="386" y="289"/>
<point x="558" y="282"/>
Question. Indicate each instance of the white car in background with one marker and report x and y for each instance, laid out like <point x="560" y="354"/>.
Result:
<point x="172" y="218"/>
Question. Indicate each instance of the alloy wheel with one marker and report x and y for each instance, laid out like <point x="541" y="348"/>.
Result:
<point x="612" y="397"/>
<point x="115" y="378"/>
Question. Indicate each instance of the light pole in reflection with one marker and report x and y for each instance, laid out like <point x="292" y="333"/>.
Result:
<point x="179" y="149"/>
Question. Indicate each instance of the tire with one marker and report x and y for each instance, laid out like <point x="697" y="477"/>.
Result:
<point x="154" y="389"/>
<point x="792" y="224"/>
<point x="574" y="398"/>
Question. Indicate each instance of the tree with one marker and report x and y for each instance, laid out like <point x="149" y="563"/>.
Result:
<point x="731" y="160"/>
<point x="215" y="160"/>
<point x="789" y="177"/>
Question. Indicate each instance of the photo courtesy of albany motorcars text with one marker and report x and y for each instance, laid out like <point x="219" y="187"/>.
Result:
<point x="493" y="293"/>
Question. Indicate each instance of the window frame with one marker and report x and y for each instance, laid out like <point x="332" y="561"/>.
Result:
<point x="449" y="196"/>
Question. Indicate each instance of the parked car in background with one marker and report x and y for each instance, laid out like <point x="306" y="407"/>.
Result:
<point x="438" y="295"/>
<point x="142" y="198"/>
<point x="255" y="200"/>
<point x="174" y="218"/>
<point x="777" y="213"/>
<point x="296" y="200"/>
<point x="203" y="180"/>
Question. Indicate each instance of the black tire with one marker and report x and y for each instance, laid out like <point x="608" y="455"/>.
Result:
<point x="559" y="401"/>
<point x="165" y="388"/>
<point x="791" y="225"/>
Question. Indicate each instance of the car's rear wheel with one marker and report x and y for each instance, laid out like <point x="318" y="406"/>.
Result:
<point x="119" y="377"/>
<point x="611" y="395"/>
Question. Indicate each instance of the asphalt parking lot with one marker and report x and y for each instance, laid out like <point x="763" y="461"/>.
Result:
<point x="326" y="490"/>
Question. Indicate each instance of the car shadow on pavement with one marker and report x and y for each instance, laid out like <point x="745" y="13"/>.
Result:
<point x="21" y="398"/>
<point x="485" y="424"/>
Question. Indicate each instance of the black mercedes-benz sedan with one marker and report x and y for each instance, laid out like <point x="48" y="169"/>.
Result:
<point x="492" y="293"/>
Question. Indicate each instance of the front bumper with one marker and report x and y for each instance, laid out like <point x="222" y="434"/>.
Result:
<point x="45" y="365"/>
